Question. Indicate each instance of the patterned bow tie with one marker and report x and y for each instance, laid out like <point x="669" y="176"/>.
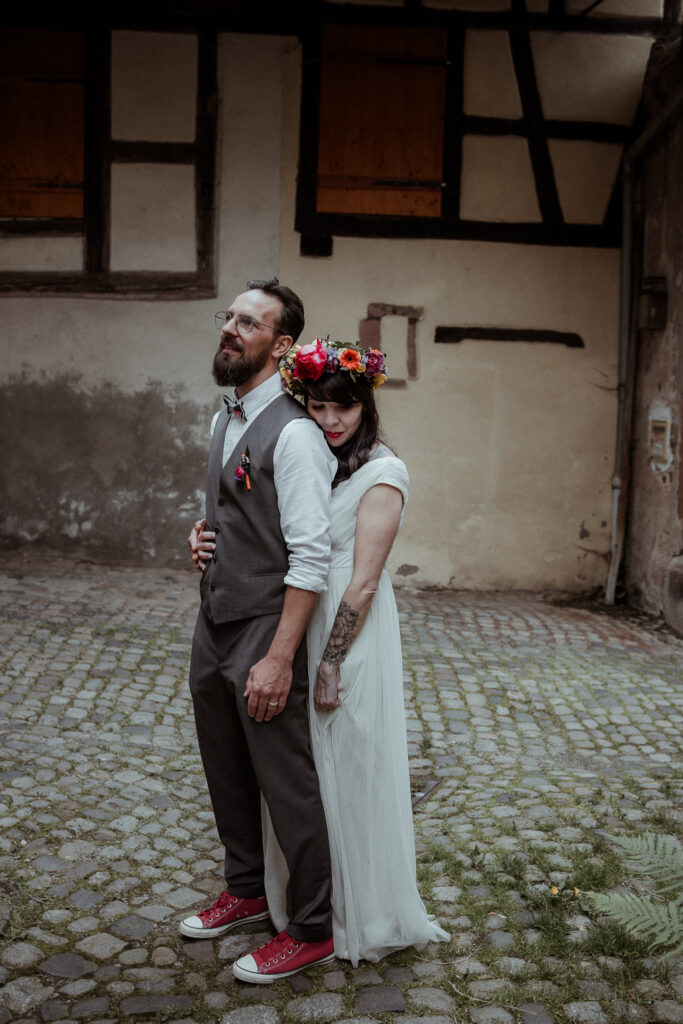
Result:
<point x="235" y="407"/>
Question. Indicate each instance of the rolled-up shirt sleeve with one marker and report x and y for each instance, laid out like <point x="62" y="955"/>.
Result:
<point x="304" y="468"/>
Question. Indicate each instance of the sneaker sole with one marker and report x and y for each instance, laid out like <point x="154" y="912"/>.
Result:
<point x="213" y="933"/>
<point x="266" y="979"/>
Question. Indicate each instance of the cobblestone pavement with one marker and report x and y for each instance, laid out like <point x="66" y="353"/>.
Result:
<point x="536" y="732"/>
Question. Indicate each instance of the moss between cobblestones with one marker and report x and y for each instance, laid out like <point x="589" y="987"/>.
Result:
<point x="27" y="908"/>
<point x="597" y="868"/>
<point x="663" y="822"/>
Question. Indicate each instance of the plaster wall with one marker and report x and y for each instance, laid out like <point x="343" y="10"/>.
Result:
<point x="655" y="527"/>
<point x="509" y="445"/>
<point x="105" y="404"/>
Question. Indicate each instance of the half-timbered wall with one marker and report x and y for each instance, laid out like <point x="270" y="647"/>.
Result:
<point x="501" y="337"/>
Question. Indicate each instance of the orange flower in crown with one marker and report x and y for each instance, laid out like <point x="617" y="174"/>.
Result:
<point x="350" y="359"/>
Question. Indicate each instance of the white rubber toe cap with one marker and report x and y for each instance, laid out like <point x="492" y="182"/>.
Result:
<point x="192" y="928"/>
<point x="246" y="969"/>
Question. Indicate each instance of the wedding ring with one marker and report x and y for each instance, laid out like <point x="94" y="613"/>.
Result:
<point x="273" y="703"/>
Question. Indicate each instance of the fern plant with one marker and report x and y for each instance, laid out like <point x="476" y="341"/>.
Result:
<point x="656" y="919"/>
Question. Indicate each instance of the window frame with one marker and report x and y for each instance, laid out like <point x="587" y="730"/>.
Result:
<point x="96" y="277"/>
<point x="317" y="229"/>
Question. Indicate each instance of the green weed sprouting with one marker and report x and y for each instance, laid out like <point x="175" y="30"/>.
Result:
<point x="656" y="919"/>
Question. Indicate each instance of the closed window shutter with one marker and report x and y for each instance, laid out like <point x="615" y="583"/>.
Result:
<point x="41" y="123"/>
<point x="382" y="97"/>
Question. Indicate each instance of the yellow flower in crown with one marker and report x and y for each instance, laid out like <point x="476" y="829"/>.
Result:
<point x="378" y="380"/>
<point x="350" y="359"/>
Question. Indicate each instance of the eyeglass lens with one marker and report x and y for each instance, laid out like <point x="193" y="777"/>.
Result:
<point x="243" y="323"/>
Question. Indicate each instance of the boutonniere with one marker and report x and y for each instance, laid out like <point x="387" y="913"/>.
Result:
<point x="242" y="471"/>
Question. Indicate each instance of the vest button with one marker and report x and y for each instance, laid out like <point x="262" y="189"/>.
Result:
<point x="217" y="530"/>
<point x="213" y="586"/>
<point x="221" y="502"/>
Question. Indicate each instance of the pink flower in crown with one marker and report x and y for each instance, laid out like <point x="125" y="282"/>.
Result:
<point x="374" y="362"/>
<point x="310" y="361"/>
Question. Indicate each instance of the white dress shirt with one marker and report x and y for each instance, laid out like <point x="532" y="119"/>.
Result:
<point x="303" y="495"/>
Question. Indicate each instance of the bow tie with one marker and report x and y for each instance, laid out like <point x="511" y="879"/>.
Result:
<point x="235" y="407"/>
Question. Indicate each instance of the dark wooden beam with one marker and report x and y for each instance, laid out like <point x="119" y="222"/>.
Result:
<point x="206" y="133"/>
<point x="453" y="123"/>
<point x="454" y="335"/>
<point x="555" y="20"/>
<point x="273" y="17"/>
<point x="97" y="134"/>
<point x="124" y="152"/>
<point x="150" y="284"/>
<point x="591" y="131"/>
<point x="544" y="175"/>
<point x="307" y="180"/>
<point x="371" y="226"/>
<point x="40" y="227"/>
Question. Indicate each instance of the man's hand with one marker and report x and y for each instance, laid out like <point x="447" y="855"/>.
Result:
<point x="268" y="687"/>
<point x="326" y="690"/>
<point x="201" y="544"/>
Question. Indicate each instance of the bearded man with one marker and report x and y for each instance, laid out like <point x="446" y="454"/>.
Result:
<point x="263" y="550"/>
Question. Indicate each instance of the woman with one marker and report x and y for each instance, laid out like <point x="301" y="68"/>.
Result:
<point x="357" y="712"/>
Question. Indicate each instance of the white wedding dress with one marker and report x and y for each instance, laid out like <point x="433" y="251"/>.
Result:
<point x="361" y="754"/>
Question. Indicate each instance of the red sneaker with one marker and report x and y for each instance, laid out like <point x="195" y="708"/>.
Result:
<point x="282" y="957"/>
<point x="226" y="913"/>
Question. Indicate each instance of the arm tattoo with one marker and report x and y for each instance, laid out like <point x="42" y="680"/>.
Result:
<point x="342" y="634"/>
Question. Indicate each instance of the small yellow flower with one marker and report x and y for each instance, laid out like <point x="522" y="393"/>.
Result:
<point x="554" y="891"/>
<point x="378" y="380"/>
<point x="576" y="891"/>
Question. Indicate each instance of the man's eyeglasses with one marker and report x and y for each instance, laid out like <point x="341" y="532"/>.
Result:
<point x="243" y="324"/>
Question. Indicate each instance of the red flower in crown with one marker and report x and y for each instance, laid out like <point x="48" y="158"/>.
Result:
<point x="374" y="362"/>
<point x="310" y="361"/>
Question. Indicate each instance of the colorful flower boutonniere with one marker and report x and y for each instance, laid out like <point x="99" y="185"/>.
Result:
<point x="242" y="472"/>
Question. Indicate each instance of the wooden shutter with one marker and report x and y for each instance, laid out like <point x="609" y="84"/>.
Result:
<point x="41" y="123"/>
<point x="382" y="98"/>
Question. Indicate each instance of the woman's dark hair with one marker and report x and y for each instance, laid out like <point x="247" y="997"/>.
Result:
<point x="291" y="319"/>
<point x="341" y="388"/>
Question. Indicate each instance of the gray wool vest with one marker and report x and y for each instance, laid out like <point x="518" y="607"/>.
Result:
<point x="245" y="579"/>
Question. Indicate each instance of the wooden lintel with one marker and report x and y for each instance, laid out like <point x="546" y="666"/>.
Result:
<point x="453" y="335"/>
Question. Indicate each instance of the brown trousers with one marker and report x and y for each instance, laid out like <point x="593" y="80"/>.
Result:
<point x="243" y="759"/>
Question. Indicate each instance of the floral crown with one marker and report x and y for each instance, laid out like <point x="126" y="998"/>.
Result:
<point x="310" y="362"/>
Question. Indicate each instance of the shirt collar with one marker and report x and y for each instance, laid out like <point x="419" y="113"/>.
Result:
<point x="261" y="395"/>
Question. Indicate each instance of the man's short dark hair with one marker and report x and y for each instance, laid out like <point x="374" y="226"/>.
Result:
<point x="291" y="320"/>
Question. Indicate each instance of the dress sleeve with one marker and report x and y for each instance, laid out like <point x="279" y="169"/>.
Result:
<point x="389" y="470"/>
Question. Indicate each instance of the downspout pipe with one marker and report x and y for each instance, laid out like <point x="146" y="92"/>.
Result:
<point x="619" y="491"/>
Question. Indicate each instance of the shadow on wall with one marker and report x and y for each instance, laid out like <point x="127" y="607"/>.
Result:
<point x="100" y="473"/>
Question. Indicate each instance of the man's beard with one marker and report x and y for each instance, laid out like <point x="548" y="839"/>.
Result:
<point x="232" y="370"/>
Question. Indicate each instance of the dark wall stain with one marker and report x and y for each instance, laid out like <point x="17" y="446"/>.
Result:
<point x="407" y="570"/>
<point x="100" y="473"/>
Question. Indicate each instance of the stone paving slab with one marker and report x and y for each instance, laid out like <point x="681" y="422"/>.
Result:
<point x="537" y="729"/>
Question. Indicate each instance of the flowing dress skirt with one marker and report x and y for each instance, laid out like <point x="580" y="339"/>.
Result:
<point x="361" y="755"/>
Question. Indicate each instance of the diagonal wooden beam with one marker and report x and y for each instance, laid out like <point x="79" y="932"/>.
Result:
<point x="522" y="58"/>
